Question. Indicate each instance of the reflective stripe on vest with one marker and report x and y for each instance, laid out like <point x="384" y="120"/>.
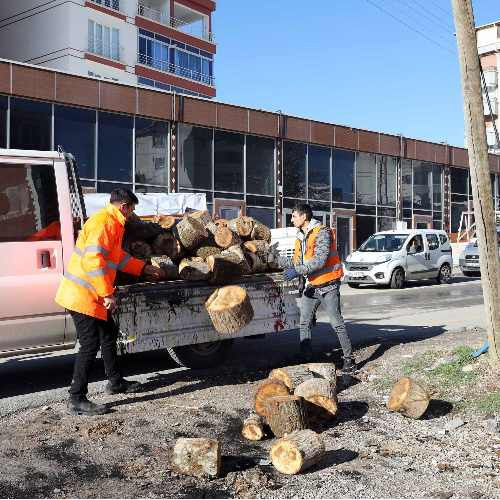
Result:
<point x="123" y="262"/>
<point x="78" y="281"/>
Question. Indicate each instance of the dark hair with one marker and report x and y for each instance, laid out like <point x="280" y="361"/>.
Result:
<point x="303" y="209"/>
<point x="123" y="196"/>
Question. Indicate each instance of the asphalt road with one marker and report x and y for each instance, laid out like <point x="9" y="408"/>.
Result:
<point x="373" y="316"/>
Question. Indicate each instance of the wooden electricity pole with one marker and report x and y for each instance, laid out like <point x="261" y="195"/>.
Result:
<point x="479" y="169"/>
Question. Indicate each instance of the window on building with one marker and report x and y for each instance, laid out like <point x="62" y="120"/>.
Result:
<point x="103" y="40"/>
<point x="151" y="139"/>
<point x="228" y="161"/>
<point x="112" y="4"/>
<point x="459" y="179"/>
<point x="30" y="124"/>
<point x="107" y="187"/>
<point x="29" y="209"/>
<point x="260" y="165"/>
<point x="437" y="193"/>
<point x="195" y="157"/>
<point x="264" y="215"/>
<point x="318" y="164"/>
<point x="114" y="160"/>
<point x="386" y="180"/>
<point x="294" y="169"/>
<point x="422" y="185"/>
<point x="74" y="131"/>
<point x="4" y="104"/>
<point x="343" y="176"/>
<point x="365" y="227"/>
<point x="407" y="183"/>
<point x="366" y="179"/>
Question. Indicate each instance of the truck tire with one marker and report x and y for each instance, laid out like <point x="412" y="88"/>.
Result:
<point x="397" y="279"/>
<point x="206" y="355"/>
<point x="444" y="275"/>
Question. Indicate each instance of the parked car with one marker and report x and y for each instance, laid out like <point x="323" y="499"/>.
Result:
<point x="394" y="257"/>
<point x="469" y="258"/>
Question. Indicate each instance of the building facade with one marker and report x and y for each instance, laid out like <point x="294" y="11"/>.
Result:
<point x="488" y="44"/>
<point x="245" y="159"/>
<point x="166" y="44"/>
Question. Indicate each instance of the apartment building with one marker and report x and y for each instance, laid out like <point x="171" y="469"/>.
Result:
<point x="488" y="44"/>
<point x="165" y="44"/>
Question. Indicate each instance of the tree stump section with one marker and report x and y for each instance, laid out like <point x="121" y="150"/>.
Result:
<point x="170" y="270"/>
<point x="286" y="414"/>
<point x="206" y="251"/>
<point x="165" y="221"/>
<point x="211" y="227"/>
<point x="257" y="265"/>
<point x="167" y="244"/>
<point x="291" y="376"/>
<point x="260" y="232"/>
<point x="199" y="457"/>
<point x="223" y="269"/>
<point x="202" y="215"/>
<point x="326" y="371"/>
<point x="192" y="233"/>
<point x="409" y="398"/>
<point x="229" y="309"/>
<point x="297" y="451"/>
<point x="235" y="254"/>
<point x="259" y="247"/>
<point x="321" y="396"/>
<point x="253" y="428"/>
<point x="194" y="269"/>
<point x="225" y="238"/>
<point x="242" y="226"/>
<point x="266" y="390"/>
<point x="140" y="250"/>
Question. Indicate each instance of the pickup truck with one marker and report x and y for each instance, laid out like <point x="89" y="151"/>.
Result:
<point x="41" y="212"/>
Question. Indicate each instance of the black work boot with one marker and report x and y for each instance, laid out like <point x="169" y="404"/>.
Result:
<point x="123" y="387"/>
<point x="306" y="353"/>
<point x="348" y="370"/>
<point x="82" y="406"/>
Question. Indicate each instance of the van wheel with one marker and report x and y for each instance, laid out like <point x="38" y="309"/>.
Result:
<point x="444" y="275"/>
<point x="206" y="355"/>
<point x="353" y="285"/>
<point x="398" y="279"/>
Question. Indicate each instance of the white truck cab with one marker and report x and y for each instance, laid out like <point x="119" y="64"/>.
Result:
<point x="395" y="257"/>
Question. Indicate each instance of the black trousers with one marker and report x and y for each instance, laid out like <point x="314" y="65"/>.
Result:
<point x="92" y="334"/>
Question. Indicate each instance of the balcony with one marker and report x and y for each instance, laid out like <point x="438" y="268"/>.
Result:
<point x="494" y="105"/>
<point x="186" y="21"/>
<point x="167" y="67"/>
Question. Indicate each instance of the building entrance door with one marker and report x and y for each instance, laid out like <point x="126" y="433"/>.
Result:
<point x="422" y="221"/>
<point x="344" y="221"/>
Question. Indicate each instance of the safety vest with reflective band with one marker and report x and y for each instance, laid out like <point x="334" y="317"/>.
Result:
<point x="92" y="267"/>
<point x="332" y="270"/>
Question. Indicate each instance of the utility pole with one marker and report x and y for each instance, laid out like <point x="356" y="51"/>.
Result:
<point x="479" y="169"/>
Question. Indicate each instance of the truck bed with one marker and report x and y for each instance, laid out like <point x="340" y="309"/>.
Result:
<point x="154" y="316"/>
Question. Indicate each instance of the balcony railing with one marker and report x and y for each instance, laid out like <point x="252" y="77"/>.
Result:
<point x="178" y="24"/>
<point x="110" y="4"/>
<point x="175" y="70"/>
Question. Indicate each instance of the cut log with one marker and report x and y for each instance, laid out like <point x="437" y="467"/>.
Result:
<point x="229" y="309"/>
<point x="235" y="254"/>
<point x="140" y="250"/>
<point x="321" y="396"/>
<point x="268" y="389"/>
<point x="297" y="451"/>
<point x="202" y="215"/>
<point x="221" y="222"/>
<point x="324" y="370"/>
<point x="242" y="226"/>
<point x="291" y="376"/>
<point x="211" y="228"/>
<point x="223" y="270"/>
<point x="167" y="244"/>
<point x="257" y="265"/>
<point x="409" y="398"/>
<point x="199" y="457"/>
<point x="259" y="247"/>
<point x="138" y="230"/>
<point x="165" y="221"/>
<point x="260" y="232"/>
<point x="207" y="250"/>
<point x="194" y="269"/>
<point x="286" y="414"/>
<point x="170" y="270"/>
<point x="253" y="428"/>
<point x="192" y="233"/>
<point x="225" y="238"/>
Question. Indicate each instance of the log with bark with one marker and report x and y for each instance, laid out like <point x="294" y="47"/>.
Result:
<point x="199" y="457"/>
<point x="226" y="238"/>
<point x="229" y="309"/>
<point x="260" y="232"/>
<point x="165" y="221"/>
<point x="167" y="244"/>
<point x="267" y="389"/>
<point x="211" y="228"/>
<point x="194" y="269"/>
<point x="235" y="254"/>
<point x="242" y="226"/>
<point x="321" y="396"/>
<point x="324" y="370"/>
<point x="409" y="398"/>
<point x="259" y="247"/>
<point x="253" y="428"/>
<point x="257" y="265"/>
<point x="140" y="250"/>
<point x="297" y="452"/>
<point x="202" y="215"/>
<point x="138" y="230"/>
<point x="224" y="269"/>
<point x="207" y="250"/>
<point x="291" y="376"/>
<point x="191" y="233"/>
<point x="286" y="414"/>
<point x="170" y="270"/>
<point x="221" y="222"/>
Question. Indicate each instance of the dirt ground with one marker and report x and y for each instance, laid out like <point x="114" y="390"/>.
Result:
<point x="453" y="451"/>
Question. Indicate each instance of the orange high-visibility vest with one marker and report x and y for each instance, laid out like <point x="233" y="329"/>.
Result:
<point x="332" y="270"/>
<point x="92" y="267"/>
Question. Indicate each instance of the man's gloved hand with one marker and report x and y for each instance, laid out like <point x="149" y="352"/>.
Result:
<point x="153" y="273"/>
<point x="290" y="274"/>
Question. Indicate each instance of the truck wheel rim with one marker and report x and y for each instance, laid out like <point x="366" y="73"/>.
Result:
<point x="445" y="273"/>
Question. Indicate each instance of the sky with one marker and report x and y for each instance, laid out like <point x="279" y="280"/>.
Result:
<point x="347" y="62"/>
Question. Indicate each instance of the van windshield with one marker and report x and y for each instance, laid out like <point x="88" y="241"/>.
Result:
<point x="383" y="243"/>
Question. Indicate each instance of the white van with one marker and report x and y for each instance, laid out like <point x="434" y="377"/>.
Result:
<point x="395" y="257"/>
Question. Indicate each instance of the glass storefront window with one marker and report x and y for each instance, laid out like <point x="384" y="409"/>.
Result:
<point x="150" y="189"/>
<point x="195" y="157"/>
<point x="365" y="227"/>
<point x="30" y="124"/>
<point x="437" y="197"/>
<point x="114" y="161"/>
<point x="385" y="223"/>
<point x="228" y="161"/>
<point x="318" y="173"/>
<point x="456" y="214"/>
<point x="4" y="103"/>
<point x="294" y="169"/>
<point x="386" y="180"/>
<point x="422" y="185"/>
<point x="107" y="187"/>
<point x="151" y="139"/>
<point x="459" y="179"/>
<point x="407" y="183"/>
<point x="343" y="176"/>
<point x="366" y="171"/>
<point x="74" y="131"/>
<point x="260" y="165"/>
<point x="264" y="215"/>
